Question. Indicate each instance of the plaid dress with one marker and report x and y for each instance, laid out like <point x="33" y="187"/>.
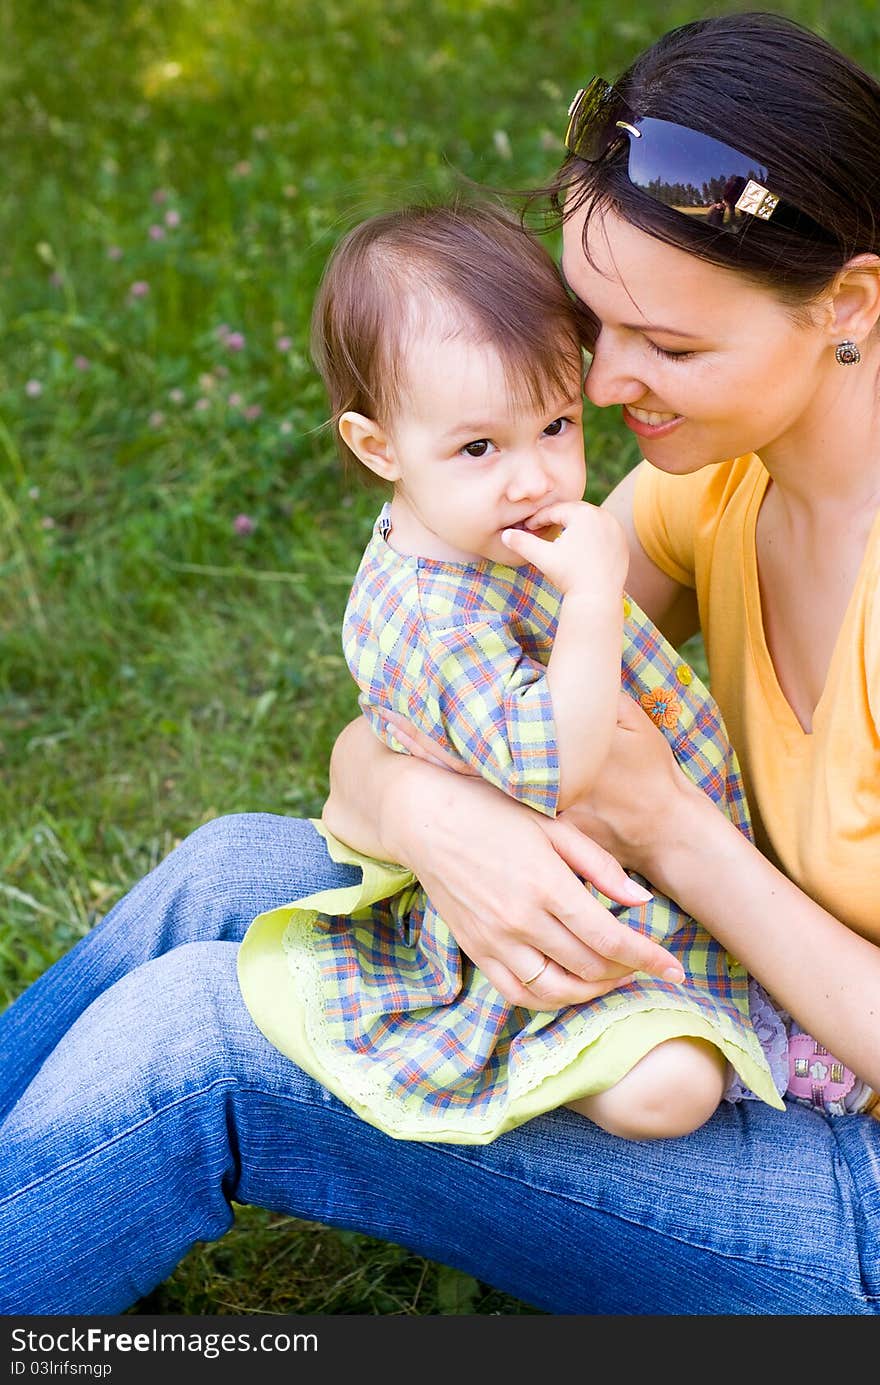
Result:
<point x="366" y="988"/>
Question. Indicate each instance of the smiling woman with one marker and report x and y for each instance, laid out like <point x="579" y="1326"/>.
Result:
<point x="729" y="343"/>
<point x="139" y="1097"/>
<point x="684" y="343"/>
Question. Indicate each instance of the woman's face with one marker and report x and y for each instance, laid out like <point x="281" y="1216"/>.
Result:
<point x="706" y="365"/>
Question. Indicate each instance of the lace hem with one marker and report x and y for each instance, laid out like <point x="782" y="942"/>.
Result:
<point x="774" y="1027"/>
<point x="770" y="1026"/>
<point x="350" y="1077"/>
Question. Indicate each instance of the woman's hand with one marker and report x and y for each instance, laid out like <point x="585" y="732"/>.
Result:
<point x="509" y="883"/>
<point x="633" y="807"/>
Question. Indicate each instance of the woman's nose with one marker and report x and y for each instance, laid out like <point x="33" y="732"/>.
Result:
<point x="608" y="379"/>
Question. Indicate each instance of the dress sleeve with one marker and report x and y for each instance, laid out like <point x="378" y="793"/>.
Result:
<point x="491" y="704"/>
<point x="464" y="682"/>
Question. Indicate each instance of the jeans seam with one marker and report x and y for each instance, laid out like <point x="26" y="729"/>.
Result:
<point x="450" y="1151"/>
<point x="779" y="1267"/>
<point x="121" y="1135"/>
<point x="783" y="1267"/>
<point x="845" y="1165"/>
<point x="453" y="1152"/>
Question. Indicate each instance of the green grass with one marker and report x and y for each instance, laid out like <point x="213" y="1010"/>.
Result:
<point x="157" y="667"/>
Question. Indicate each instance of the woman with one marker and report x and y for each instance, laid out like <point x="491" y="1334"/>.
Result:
<point x="139" y="1098"/>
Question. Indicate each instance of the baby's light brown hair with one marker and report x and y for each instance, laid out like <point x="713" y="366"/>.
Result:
<point x="471" y="262"/>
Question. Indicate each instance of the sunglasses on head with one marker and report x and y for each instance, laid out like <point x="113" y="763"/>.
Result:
<point x="690" y="172"/>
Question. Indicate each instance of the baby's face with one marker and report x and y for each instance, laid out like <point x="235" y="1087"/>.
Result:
<point x="469" y="465"/>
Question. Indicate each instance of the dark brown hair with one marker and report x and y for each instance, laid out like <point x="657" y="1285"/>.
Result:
<point x="778" y="92"/>
<point x="395" y="271"/>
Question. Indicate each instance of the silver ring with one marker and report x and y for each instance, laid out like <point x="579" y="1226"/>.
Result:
<point x="540" y="972"/>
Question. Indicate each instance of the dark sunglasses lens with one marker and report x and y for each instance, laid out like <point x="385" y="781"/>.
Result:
<point x="591" y="124"/>
<point x="691" y="172"/>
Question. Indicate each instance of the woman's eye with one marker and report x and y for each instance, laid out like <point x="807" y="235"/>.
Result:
<point x="668" y="355"/>
<point x="481" y="447"/>
<point x="558" y="426"/>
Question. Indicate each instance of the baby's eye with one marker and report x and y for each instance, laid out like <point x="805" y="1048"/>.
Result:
<point x="558" y="426"/>
<point x="480" y="447"/>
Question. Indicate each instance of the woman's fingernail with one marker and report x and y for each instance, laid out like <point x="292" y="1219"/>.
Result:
<point x="640" y="892"/>
<point x="673" y="974"/>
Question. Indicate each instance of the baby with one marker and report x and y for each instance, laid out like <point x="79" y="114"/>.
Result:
<point x="489" y="611"/>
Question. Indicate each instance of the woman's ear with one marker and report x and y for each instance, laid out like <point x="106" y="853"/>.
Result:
<point x="369" y="443"/>
<point x="854" y="300"/>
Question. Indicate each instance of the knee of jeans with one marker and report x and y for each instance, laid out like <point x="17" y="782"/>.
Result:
<point x="215" y="840"/>
<point x="160" y="1030"/>
<point x="169" y="1034"/>
<point x="233" y="835"/>
<point x="212" y="856"/>
<point x="188" y="1025"/>
<point x="239" y="865"/>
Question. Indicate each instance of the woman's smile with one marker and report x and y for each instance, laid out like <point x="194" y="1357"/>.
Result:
<point x="648" y="424"/>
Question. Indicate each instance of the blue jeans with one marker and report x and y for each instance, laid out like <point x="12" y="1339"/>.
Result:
<point x="138" y="1100"/>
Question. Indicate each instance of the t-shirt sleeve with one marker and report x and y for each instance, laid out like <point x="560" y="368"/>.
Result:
<point x="492" y="704"/>
<point x="666" y="513"/>
<point x="872" y="646"/>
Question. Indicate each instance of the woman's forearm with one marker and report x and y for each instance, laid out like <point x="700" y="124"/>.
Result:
<point x="378" y="796"/>
<point x="353" y="813"/>
<point x="822" y="972"/>
<point x="506" y="880"/>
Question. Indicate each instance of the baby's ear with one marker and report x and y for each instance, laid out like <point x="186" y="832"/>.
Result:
<point x="370" y="444"/>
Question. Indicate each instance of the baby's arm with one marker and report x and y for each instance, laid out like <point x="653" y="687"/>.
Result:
<point x="588" y="564"/>
<point x="462" y="678"/>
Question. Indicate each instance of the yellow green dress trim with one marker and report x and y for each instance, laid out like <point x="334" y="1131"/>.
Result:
<point x="564" y="1055"/>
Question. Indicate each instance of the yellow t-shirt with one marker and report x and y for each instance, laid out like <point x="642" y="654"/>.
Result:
<point x="815" y="797"/>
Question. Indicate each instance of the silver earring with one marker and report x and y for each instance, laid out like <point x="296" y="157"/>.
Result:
<point x="847" y="353"/>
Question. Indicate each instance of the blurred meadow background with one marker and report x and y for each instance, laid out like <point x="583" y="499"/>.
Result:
<point x="176" y="536"/>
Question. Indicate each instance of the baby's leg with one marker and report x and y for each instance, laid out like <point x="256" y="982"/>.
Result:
<point x="672" y="1091"/>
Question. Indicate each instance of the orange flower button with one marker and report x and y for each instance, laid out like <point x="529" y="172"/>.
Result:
<point x="662" y="707"/>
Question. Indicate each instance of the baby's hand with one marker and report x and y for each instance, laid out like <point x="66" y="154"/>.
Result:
<point x="590" y="556"/>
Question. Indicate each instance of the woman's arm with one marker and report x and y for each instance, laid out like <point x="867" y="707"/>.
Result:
<point x="506" y="879"/>
<point x="357" y="817"/>
<point x="826" y="975"/>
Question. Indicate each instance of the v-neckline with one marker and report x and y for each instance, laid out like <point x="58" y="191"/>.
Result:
<point x="786" y="717"/>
